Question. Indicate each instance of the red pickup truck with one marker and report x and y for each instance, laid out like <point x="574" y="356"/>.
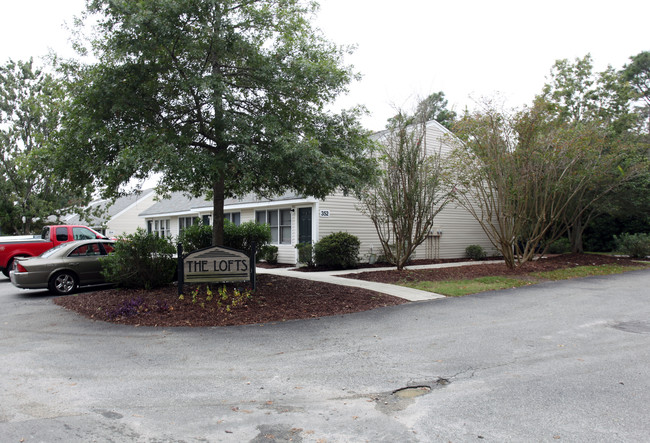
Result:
<point x="50" y="237"/>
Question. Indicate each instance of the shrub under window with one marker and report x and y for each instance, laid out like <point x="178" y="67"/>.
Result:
<point x="337" y="250"/>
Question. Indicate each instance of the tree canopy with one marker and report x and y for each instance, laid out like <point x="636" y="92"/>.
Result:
<point x="525" y="176"/>
<point x="221" y="97"/>
<point x="578" y="96"/>
<point x="576" y="93"/>
<point x="30" y="110"/>
<point x="638" y="74"/>
<point x="432" y="107"/>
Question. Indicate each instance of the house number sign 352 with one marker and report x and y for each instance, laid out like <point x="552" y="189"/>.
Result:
<point x="324" y="212"/>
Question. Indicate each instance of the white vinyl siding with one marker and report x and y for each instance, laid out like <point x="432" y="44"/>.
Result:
<point x="344" y="216"/>
<point x="459" y="229"/>
<point x="127" y="221"/>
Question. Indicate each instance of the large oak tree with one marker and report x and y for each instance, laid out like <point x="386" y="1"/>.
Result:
<point x="221" y="97"/>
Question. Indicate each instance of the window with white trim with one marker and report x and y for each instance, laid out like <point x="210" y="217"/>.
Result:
<point x="186" y="222"/>
<point x="233" y="217"/>
<point x="280" y="222"/>
<point x="161" y="227"/>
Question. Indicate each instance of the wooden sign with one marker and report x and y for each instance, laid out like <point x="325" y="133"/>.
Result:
<point x="217" y="264"/>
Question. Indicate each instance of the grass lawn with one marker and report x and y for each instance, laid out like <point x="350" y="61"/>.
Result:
<point x="457" y="288"/>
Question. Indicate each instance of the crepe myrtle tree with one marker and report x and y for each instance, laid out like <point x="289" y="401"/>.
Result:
<point x="521" y="175"/>
<point x="577" y="97"/>
<point x="409" y="192"/>
<point x="219" y="97"/>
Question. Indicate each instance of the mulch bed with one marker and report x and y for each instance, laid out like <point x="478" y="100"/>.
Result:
<point x="496" y="269"/>
<point x="276" y="299"/>
<point x="280" y="298"/>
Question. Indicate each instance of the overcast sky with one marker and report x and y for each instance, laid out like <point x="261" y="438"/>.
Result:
<point x="409" y="48"/>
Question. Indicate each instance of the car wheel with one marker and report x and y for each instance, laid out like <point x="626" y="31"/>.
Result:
<point x="63" y="283"/>
<point x="10" y="265"/>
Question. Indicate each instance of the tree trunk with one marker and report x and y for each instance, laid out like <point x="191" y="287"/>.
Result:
<point x="217" y="210"/>
<point x="508" y="251"/>
<point x="575" y="235"/>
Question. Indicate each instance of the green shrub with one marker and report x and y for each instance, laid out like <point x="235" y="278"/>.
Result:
<point x="269" y="254"/>
<point x="195" y="237"/>
<point x="560" y="246"/>
<point x="337" y="250"/>
<point x="305" y="254"/>
<point x="634" y="245"/>
<point x="240" y="237"/>
<point x="140" y="260"/>
<point x="475" y="252"/>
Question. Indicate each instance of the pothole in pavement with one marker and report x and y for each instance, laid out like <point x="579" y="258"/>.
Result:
<point x="412" y="391"/>
<point x="636" y="327"/>
<point x="402" y="398"/>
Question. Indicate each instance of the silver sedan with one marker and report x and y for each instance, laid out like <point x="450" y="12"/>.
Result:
<point x="63" y="268"/>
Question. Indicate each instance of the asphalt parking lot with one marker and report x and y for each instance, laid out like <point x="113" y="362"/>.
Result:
<point x="565" y="361"/>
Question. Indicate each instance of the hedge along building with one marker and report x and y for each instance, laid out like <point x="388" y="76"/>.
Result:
<point x="296" y="219"/>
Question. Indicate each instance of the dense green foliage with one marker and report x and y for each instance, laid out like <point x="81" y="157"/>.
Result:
<point x="337" y="250"/>
<point x="475" y="252"/>
<point x="576" y="95"/>
<point x="560" y="246"/>
<point x="637" y="73"/>
<point x="30" y="110"/>
<point x="305" y="254"/>
<point x="634" y="245"/>
<point x="197" y="236"/>
<point x="140" y="260"/>
<point x="268" y="253"/>
<point x="240" y="237"/>
<point x="221" y="98"/>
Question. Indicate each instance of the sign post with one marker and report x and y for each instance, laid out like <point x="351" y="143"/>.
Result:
<point x="179" y="268"/>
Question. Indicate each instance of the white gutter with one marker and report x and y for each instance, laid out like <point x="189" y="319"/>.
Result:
<point x="236" y="206"/>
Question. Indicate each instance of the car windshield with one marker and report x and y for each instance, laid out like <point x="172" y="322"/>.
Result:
<point x="49" y="252"/>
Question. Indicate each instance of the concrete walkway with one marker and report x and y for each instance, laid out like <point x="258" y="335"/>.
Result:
<point x="335" y="277"/>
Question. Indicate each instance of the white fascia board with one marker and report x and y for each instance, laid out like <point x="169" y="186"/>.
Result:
<point x="172" y="214"/>
<point x="270" y="204"/>
<point x="273" y="204"/>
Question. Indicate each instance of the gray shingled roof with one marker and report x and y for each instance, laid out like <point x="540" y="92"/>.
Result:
<point x="179" y="202"/>
<point x="118" y="206"/>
